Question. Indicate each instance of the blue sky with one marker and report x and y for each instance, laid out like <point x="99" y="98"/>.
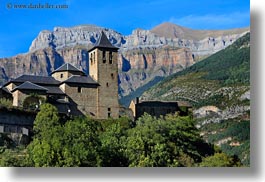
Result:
<point x="20" y="26"/>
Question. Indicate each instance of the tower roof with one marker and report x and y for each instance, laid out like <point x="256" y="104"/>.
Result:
<point x="67" y="67"/>
<point x="103" y="42"/>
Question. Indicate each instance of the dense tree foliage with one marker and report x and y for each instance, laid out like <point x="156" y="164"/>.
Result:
<point x="170" y="141"/>
<point x="148" y="142"/>
<point x="44" y="150"/>
<point x="113" y="142"/>
<point x="220" y="160"/>
<point x="237" y="132"/>
<point x="74" y="143"/>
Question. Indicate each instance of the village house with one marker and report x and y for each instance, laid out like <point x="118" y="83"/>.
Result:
<point x="159" y="108"/>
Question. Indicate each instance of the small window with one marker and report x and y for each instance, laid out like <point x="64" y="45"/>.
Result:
<point x="104" y="56"/>
<point x="109" y="109"/>
<point x="94" y="57"/>
<point x="91" y="58"/>
<point x="112" y="75"/>
<point x="107" y="84"/>
<point x="61" y="75"/>
<point x="79" y="89"/>
<point x="110" y="57"/>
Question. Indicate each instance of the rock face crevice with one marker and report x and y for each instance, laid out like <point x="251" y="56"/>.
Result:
<point x="143" y="55"/>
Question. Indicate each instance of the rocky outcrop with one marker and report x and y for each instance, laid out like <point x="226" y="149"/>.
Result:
<point x="42" y="62"/>
<point x="85" y="35"/>
<point x="207" y="45"/>
<point x="143" y="54"/>
<point x="216" y="115"/>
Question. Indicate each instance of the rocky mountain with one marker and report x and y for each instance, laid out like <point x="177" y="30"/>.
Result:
<point x="171" y="30"/>
<point x="218" y="87"/>
<point x="144" y="55"/>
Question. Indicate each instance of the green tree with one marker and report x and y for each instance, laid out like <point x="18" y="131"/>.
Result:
<point x="113" y="141"/>
<point x="81" y="144"/>
<point x="220" y="160"/>
<point x="46" y="119"/>
<point x="47" y="144"/>
<point x="75" y="143"/>
<point x="13" y="158"/>
<point x="112" y="146"/>
<point x="145" y="146"/>
<point x="169" y="141"/>
<point x="184" y="139"/>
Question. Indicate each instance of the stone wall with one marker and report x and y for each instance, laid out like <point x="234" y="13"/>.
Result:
<point x="156" y="110"/>
<point x="17" y="124"/>
<point x="16" y="117"/>
<point x="63" y="75"/>
<point x="83" y="102"/>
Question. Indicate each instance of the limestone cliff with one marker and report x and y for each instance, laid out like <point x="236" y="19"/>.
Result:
<point x="139" y="66"/>
<point x="143" y="55"/>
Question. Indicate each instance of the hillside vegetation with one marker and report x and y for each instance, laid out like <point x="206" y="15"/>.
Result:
<point x="219" y="90"/>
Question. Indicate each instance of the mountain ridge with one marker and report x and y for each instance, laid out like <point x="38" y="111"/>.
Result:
<point x="143" y="55"/>
<point x="171" y="30"/>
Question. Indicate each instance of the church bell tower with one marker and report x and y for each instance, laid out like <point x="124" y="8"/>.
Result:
<point x="103" y="68"/>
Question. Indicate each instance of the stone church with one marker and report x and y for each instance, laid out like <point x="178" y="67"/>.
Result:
<point x="70" y="89"/>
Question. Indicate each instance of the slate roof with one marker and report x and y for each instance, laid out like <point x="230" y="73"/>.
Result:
<point x="54" y="90"/>
<point x="81" y="80"/>
<point x="43" y="80"/>
<point x="29" y="86"/>
<point x="67" y="67"/>
<point x="159" y="103"/>
<point x="103" y="42"/>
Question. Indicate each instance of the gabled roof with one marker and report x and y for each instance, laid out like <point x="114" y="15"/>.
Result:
<point x="29" y="86"/>
<point x="68" y="67"/>
<point x="81" y="80"/>
<point x="43" y="80"/>
<point x="103" y="42"/>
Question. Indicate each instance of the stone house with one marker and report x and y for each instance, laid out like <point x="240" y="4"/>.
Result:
<point x="70" y="89"/>
<point x="159" y="108"/>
